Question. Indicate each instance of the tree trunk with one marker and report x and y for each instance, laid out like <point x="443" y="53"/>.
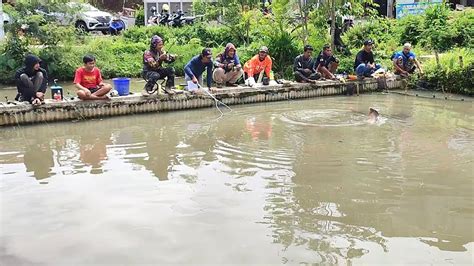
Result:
<point x="2" y="33"/>
<point x="333" y="23"/>
<point x="305" y="22"/>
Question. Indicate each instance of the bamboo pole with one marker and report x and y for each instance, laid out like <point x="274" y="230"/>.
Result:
<point x="439" y="66"/>
<point x="333" y="24"/>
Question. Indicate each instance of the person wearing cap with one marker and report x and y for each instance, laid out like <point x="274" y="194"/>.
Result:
<point x="327" y="63"/>
<point x="364" y="64"/>
<point x="266" y="8"/>
<point x="405" y="62"/>
<point x="88" y="81"/>
<point x="259" y="63"/>
<point x="198" y="64"/>
<point x="153" y="68"/>
<point x="31" y="81"/>
<point x="304" y="68"/>
<point x="165" y="13"/>
<point x="227" y="67"/>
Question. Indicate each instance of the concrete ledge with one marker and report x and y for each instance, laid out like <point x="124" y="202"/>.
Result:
<point x="25" y="113"/>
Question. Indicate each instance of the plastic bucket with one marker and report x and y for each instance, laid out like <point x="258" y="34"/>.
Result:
<point x="122" y="86"/>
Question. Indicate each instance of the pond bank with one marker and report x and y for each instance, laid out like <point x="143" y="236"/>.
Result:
<point x="22" y="113"/>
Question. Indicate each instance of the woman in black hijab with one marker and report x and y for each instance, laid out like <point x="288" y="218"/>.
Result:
<point x="31" y="81"/>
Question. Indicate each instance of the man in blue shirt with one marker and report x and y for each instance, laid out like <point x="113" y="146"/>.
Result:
<point x="405" y="61"/>
<point x="194" y="68"/>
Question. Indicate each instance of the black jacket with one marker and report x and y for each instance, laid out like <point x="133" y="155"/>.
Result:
<point x="302" y="63"/>
<point x="28" y="69"/>
<point x="363" y="57"/>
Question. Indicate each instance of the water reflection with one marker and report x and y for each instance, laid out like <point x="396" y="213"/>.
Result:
<point x="93" y="150"/>
<point x="386" y="184"/>
<point x="316" y="194"/>
<point x="38" y="159"/>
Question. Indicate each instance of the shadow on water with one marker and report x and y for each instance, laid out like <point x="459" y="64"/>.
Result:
<point x="329" y="193"/>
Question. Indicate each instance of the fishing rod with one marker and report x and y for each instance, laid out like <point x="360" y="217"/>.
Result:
<point x="74" y="106"/>
<point x="215" y="100"/>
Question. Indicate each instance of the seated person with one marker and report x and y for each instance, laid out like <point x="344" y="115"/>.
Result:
<point x="153" y="69"/>
<point x="228" y="68"/>
<point x="88" y="81"/>
<point x="405" y="62"/>
<point x="198" y="64"/>
<point x="165" y="13"/>
<point x="364" y="64"/>
<point x="31" y="81"/>
<point x="259" y="64"/>
<point x="326" y="63"/>
<point x="304" y="68"/>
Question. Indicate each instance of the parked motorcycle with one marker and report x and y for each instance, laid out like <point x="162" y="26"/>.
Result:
<point x="154" y="18"/>
<point x="177" y="19"/>
<point x="116" y="26"/>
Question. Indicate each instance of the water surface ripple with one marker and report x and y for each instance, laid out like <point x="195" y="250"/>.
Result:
<point x="292" y="182"/>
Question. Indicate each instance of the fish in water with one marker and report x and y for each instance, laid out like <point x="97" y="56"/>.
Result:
<point x="373" y="116"/>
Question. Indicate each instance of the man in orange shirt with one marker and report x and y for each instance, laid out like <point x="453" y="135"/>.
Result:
<point x="258" y="63"/>
<point x="88" y="81"/>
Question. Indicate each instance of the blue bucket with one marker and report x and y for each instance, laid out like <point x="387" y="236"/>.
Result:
<point x="122" y="85"/>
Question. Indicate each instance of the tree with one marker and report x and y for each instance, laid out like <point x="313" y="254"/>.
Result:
<point x="2" y="33"/>
<point x="28" y="27"/>
<point x="336" y="10"/>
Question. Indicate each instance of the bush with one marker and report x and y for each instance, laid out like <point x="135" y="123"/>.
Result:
<point x="380" y="30"/>
<point x="209" y="36"/>
<point x="439" y="34"/>
<point x="11" y="57"/>
<point x="140" y="17"/>
<point x="283" y="49"/>
<point x="410" y="29"/>
<point x="463" y="23"/>
<point x="450" y="74"/>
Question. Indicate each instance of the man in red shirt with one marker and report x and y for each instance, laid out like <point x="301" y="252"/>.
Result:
<point x="88" y="81"/>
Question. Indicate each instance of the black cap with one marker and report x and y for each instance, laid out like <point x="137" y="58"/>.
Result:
<point x="308" y="47"/>
<point x="368" y="42"/>
<point x="206" y="52"/>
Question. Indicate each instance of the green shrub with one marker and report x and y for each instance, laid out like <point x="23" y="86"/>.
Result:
<point x="11" y="57"/>
<point x="410" y="29"/>
<point x="450" y="74"/>
<point x="439" y="34"/>
<point x="140" y="17"/>
<point x="283" y="49"/>
<point x="380" y="30"/>
<point x="463" y="23"/>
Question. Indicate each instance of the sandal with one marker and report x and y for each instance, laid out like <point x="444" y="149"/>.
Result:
<point x="36" y="102"/>
<point x="168" y="91"/>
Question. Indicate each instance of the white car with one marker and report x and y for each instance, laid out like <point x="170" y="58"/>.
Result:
<point x="92" y="19"/>
<point x="87" y="18"/>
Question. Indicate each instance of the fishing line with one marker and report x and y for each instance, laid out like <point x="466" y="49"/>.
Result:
<point x="215" y="100"/>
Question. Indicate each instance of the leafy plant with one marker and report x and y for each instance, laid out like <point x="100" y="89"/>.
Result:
<point x="451" y="75"/>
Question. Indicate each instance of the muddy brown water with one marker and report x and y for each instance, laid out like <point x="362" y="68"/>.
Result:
<point x="292" y="182"/>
